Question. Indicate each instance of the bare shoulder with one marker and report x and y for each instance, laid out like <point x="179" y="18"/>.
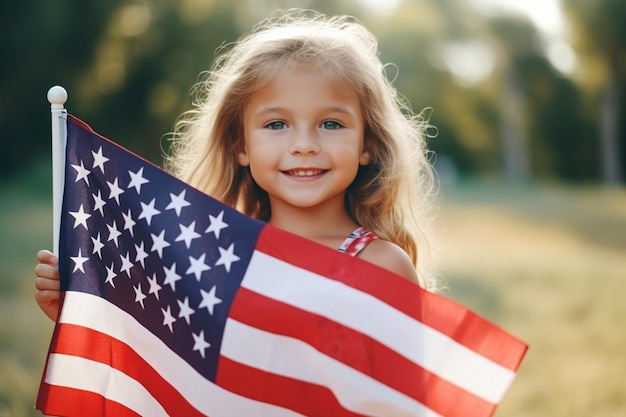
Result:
<point x="390" y="256"/>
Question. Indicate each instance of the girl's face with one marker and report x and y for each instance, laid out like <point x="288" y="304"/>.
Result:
<point x="303" y="139"/>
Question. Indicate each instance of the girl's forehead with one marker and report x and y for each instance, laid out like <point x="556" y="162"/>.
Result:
<point x="307" y="72"/>
<point x="304" y="91"/>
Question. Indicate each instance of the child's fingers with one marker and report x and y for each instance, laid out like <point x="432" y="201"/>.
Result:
<point x="47" y="271"/>
<point x="47" y="257"/>
<point x="46" y="284"/>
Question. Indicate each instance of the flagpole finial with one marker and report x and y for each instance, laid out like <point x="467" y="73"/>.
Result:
<point x="57" y="96"/>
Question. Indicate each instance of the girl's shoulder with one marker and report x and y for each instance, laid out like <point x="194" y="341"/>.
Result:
<point x="390" y="256"/>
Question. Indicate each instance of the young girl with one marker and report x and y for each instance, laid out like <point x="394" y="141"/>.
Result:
<point x="298" y="125"/>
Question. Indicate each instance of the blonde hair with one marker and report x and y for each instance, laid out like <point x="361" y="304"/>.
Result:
<point x="393" y="195"/>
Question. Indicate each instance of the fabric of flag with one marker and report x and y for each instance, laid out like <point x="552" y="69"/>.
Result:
<point x="177" y="305"/>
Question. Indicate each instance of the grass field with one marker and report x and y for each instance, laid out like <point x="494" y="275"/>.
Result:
<point x="549" y="265"/>
<point x="546" y="263"/>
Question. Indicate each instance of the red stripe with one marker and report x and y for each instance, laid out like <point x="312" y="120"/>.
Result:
<point x="301" y="397"/>
<point x="90" y="344"/>
<point x="435" y="311"/>
<point x="358" y="351"/>
<point x="62" y="401"/>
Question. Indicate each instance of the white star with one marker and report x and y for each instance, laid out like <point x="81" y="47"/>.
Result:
<point x="139" y="296"/>
<point x="209" y="300"/>
<point x="168" y="319"/>
<point x="115" y="191"/>
<point x="113" y="233"/>
<point x="199" y="343"/>
<point x="217" y="224"/>
<point x="187" y="234"/>
<point x="141" y="255"/>
<point x="137" y="180"/>
<point x="98" y="203"/>
<point x="197" y="266"/>
<point x="171" y="276"/>
<point x="79" y="260"/>
<point x="126" y="264"/>
<point x="154" y="286"/>
<point x="178" y="202"/>
<point x="99" y="159"/>
<point x="110" y="275"/>
<point x="80" y="217"/>
<point x="185" y="310"/>
<point x="227" y="257"/>
<point x="81" y="173"/>
<point x="158" y="243"/>
<point x="129" y="223"/>
<point x="97" y="245"/>
<point x="148" y="211"/>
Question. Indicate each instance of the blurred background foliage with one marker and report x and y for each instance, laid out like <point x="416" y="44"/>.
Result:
<point x="530" y="148"/>
<point x="507" y="99"/>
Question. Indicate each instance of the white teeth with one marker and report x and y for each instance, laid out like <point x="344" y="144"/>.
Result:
<point x="307" y="173"/>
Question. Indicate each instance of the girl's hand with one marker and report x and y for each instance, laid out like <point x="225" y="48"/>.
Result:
<point x="47" y="284"/>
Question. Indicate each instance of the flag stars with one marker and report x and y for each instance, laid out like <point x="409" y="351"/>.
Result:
<point x="97" y="245"/>
<point x="141" y="255"/>
<point x="82" y="173"/>
<point x="199" y="343"/>
<point x="171" y="276"/>
<point x="129" y="223"/>
<point x="139" y="295"/>
<point x="126" y="264"/>
<point x="148" y="211"/>
<point x="98" y="203"/>
<point x="114" y="233"/>
<point x="137" y="180"/>
<point x="168" y="319"/>
<point x="99" y="160"/>
<point x="216" y="225"/>
<point x="185" y="310"/>
<point x="79" y="261"/>
<point x="80" y="217"/>
<point x="187" y="234"/>
<point x="114" y="191"/>
<point x="227" y="257"/>
<point x="110" y="275"/>
<point x="159" y="243"/>
<point x="154" y="286"/>
<point x="197" y="266"/>
<point x="209" y="300"/>
<point x="177" y="202"/>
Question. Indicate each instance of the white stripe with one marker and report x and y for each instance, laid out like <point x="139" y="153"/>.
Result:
<point x="88" y="375"/>
<point x="412" y="339"/>
<point x="87" y="310"/>
<point x="294" y="358"/>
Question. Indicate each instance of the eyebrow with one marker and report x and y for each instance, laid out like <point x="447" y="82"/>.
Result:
<point x="329" y="109"/>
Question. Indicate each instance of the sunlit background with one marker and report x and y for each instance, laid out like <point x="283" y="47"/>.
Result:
<point x="527" y="98"/>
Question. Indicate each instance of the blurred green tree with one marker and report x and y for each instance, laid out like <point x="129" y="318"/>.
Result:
<point x="44" y="43"/>
<point x="600" y="37"/>
<point x="497" y="103"/>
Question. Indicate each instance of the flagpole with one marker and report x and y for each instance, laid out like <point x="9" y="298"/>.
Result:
<point x="57" y="96"/>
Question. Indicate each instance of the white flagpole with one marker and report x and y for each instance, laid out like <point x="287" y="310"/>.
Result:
<point x="57" y="96"/>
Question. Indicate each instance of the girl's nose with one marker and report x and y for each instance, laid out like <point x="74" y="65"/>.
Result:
<point x="304" y="142"/>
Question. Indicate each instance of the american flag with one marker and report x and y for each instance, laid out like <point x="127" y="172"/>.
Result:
<point x="177" y="305"/>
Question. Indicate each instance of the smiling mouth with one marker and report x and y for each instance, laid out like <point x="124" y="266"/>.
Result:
<point x="305" y="172"/>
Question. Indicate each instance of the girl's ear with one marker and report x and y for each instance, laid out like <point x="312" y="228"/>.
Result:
<point x="365" y="158"/>
<point x="242" y="157"/>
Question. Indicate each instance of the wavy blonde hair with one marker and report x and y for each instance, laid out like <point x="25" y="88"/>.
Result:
<point x="393" y="195"/>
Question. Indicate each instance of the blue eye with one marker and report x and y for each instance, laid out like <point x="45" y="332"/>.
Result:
<point x="331" y="125"/>
<point x="276" y="125"/>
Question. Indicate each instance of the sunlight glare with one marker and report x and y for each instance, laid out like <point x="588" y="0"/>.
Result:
<point x="546" y="15"/>
<point x="562" y="56"/>
<point x="383" y="8"/>
<point x="469" y="62"/>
